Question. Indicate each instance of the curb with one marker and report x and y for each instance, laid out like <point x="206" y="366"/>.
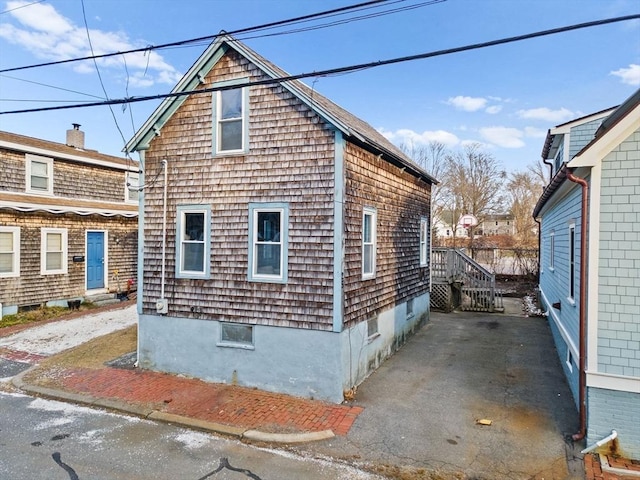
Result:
<point x="219" y="428"/>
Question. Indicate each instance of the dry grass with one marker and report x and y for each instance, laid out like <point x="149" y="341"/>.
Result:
<point x="40" y="314"/>
<point x="96" y="352"/>
<point x="396" y="472"/>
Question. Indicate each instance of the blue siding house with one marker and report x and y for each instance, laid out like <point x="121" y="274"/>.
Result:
<point x="590" y="267"/>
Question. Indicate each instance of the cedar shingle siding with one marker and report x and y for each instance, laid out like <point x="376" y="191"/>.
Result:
<point x="88" y="195"/>
<point x="322" y="166"/>
<point x="290" y="160"/>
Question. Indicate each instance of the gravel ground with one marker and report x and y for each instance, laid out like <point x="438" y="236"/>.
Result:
<point x="55" y="337"/>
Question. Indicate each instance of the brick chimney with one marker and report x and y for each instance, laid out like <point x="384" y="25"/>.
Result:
<point x="75" y="137"/>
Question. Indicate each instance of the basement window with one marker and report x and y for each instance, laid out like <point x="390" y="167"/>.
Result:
<point x="372" y="328"/>
<point x="236" y="335"/>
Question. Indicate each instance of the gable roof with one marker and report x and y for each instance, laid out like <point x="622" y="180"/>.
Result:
<point x="355" y="129"/>
<point x="36" y="146"/>
<point x="614" y="129"/>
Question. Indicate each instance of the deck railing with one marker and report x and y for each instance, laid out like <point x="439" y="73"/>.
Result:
<point x="478" y="286"/>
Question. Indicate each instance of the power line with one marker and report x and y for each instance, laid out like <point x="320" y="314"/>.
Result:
<point x="21" y="6"/>
<point x="50" y="86"/>
<point x="207" y="37"/>
<point x="350" y="68"/>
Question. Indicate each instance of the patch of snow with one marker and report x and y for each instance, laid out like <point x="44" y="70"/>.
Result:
<point x="529" y="307"/>
<point x="193" y="440"/>
<point x="54" y="422"/>
<point x="55" y="337"/>
<point x="13" y="394"/>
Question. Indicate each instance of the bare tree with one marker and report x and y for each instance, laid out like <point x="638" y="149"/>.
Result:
<point x="524" y="189"/>
<point x="432" y="158"/>
<point x="474" y="183"/>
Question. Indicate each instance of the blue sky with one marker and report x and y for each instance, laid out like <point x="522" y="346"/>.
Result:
<point x="505" y="97"/>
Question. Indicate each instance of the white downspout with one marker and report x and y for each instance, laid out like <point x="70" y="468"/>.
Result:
<point x="607" y="439"/>
<point x="164" y="227"/>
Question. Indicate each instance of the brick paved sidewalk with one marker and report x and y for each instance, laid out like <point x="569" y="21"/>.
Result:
<point x="218" y="403"/>
<point x="613" y="468"/>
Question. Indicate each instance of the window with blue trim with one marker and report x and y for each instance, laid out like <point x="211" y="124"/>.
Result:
<point x="193" y="240"/>
<point x="230" y="120"/>
<point x="268" y="242"/>
<point x="424" y="241"/>
<point x="368" y="242"/>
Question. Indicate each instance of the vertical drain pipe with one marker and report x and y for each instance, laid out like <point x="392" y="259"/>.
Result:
<point x="164" y="228"/>
<point x="583" y="306"/>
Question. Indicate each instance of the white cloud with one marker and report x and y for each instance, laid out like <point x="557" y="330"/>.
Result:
<point x="546" y="114"/>
<point x="409" y="137"/>
<point x="534" y="132"/>
<point x="505" y="137"/>
<point x="468" y="104"/>
<point x="630" y="76"/>
<point x="493" y="109"/>
<point x="51" y="36"/>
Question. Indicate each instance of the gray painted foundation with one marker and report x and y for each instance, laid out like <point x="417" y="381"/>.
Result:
<point x="300" y="362"/>
<point x="615" y="410"/>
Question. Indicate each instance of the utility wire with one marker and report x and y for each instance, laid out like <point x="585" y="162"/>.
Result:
<point x="21" y="6"/>
<point x="207" y="37"/>
<point x="51" y="86"/>
<point x="351" y="68"/>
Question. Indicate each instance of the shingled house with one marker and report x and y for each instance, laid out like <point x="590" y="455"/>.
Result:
<point x="290" y="249"/>
<point x="68" y="222"/>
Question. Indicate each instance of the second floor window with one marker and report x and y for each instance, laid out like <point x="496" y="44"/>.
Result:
<point x="39" y="174"/>
<point x="230" y="121"/>
<point x="132" y="190"/>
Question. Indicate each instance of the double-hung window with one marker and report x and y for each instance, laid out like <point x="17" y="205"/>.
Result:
<point x="39" y="177"/>
<point x="230" y="120"/>
<point x="9" y="252"/>
<point x="132" y="187"/>
<point x="572" y="261"/>
<point x="368" y="242"/>
<point x="268" y="242"/>
<point x="53" y="251"/>
<point x="193" y="235"/>
<point x="424" y="241"/>
<point x="552" y="250"/>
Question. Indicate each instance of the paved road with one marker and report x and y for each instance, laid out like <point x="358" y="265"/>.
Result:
<point x="49" y="440"/>
<point x="422" y="405"/>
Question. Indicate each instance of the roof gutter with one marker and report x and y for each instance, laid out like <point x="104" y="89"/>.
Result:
<point x="583" y="307"/>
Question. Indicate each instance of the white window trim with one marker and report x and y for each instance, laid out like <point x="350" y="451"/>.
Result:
<point x="374" y="243"/>
<point x="131" y="182"/>
<point x="235" y="344"/>
<point x="43" y="251"/>
<point x="424" y="246"/>
<point x="15" y="268"/>
<point x="180" y="221"/>
<point x="49" y="161"/>
<point x="569" y="359"/>
<point x="244" y="118"/>
<point x="254" y="209"/>
<point x="571" y="276"/>
<point x="552" y="248"/>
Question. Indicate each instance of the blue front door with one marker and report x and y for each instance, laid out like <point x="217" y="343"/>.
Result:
<point x="95" y="260"/>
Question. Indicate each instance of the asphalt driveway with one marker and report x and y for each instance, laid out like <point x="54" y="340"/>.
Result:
<point x="423" y="405"/>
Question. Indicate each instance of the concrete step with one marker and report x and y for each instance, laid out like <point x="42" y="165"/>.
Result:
<point x="99" y="297"/>
<point x="109" y="301"/>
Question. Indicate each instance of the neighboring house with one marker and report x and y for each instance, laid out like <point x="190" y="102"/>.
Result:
<point x="297" y="237"/>
<point x="68" y="222"/>
<point x="443" y="225"/>
<point x="590" y="267"/>
<point x="496" y="224"/>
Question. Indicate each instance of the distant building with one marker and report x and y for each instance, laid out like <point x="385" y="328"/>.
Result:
<point x="68" y="222"/>
<point x="496" y="224"/>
